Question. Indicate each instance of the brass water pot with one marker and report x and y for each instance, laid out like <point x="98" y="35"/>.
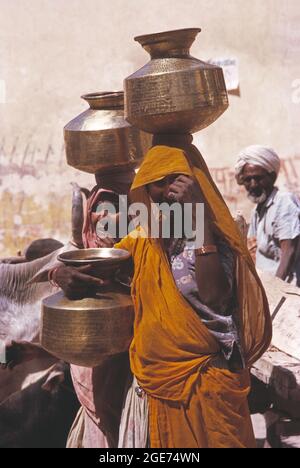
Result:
<point x="174" y="92"/>
<point x="86" y="331"/>
<point x="100" y="138"/>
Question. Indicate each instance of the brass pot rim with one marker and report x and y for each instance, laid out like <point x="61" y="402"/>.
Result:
<point x="105" y="100"/>
<point x="94" y="256"/>
<point x="152" y="38"/>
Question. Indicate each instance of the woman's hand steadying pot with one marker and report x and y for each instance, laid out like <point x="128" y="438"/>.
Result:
<point x="77" y="283"/>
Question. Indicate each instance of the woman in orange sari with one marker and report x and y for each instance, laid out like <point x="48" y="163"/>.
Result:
<point x="196" y="331"/>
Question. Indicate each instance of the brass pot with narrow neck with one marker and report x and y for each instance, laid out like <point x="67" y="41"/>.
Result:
<point x="174" y="92"/>
<point x="100" y="138"/>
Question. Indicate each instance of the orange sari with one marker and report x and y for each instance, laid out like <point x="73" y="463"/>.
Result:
<point x="191" y="404"/>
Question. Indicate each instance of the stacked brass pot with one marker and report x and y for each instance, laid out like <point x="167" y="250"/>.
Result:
<point x="101" y="139"/>
<point x="174" y="93"/>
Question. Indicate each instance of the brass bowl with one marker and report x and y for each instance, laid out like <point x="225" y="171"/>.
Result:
<point x="87" y="331"/>
<point x="105" y="261"/>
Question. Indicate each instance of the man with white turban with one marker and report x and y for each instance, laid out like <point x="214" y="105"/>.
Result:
<point x="274" y="230"/>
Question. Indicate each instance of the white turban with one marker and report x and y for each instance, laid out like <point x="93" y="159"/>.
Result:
<point x="257" y="155"/>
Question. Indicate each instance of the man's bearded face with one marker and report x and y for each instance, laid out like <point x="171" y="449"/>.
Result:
<point x="258" y="182"/>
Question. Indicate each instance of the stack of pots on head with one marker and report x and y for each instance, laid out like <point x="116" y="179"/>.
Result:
<point x="175" y="94"/>
<point x="89" y="330"/>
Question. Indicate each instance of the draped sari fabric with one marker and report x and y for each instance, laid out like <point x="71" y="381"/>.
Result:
<point x="191" y="402"/>
<point x="89" y="234"/>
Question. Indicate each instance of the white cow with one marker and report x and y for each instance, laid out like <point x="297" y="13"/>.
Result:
<point x="20" y="312"/>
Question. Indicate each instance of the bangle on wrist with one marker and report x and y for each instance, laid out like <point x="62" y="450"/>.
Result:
<point x="206" y="250"/>
<point x="51" y="278"/>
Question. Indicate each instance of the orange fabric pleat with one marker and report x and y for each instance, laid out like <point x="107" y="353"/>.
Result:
<point x="217" y="415"/>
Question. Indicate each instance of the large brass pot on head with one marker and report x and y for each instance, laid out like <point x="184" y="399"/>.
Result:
<point x="87" y="331"/>
<point x="100" y="138"/>
<point x="174" y="92"/>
